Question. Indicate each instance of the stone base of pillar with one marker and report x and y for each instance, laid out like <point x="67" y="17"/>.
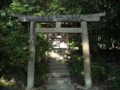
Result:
<point x="93" y="88"/>
<point x="30" y="88"/>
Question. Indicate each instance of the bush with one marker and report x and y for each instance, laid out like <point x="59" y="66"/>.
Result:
<point x="41" y="63"/>
<point x="14" y="53"/>
<point x="114" y="77"/>
<point x="13" y="42"/>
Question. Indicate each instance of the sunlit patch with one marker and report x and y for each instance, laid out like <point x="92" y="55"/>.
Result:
<point x="56" y="55"/>
<point x="63" y="45"/>
<point x="82" y="72"/>
<point x="5" y="82"/>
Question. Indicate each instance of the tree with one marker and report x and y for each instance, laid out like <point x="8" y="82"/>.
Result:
<point x="4" y="3"/>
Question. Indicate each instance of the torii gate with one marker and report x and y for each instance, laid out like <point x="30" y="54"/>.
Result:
<point x="33" y="19"/>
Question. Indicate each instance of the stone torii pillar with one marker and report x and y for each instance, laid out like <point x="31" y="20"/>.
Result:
<point x="31" y="62"/>
<point x="86" y="55"/>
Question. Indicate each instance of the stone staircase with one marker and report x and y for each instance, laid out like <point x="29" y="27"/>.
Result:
<point x="58" y="77"/>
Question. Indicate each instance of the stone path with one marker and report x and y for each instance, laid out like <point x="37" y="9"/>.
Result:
<point x="58" y="77"/>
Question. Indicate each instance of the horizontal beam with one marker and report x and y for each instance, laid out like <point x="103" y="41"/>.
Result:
<point x="59" y="30"/>
<point x="62" y="18"/>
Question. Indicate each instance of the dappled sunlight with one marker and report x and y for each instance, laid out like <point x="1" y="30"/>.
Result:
<point x="56" y="56"/>
<point x="87" y="61"/>
<point x="82" y="73"/>
<point x="86" y="47"/>
<point x="63" y="45"/>
<point x="6" y="82"/>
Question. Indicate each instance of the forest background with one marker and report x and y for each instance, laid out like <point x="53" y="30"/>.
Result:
<point x="14" y="42"/>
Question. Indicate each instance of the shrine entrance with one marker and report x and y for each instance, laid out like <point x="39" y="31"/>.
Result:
<point x="57" y="19"/>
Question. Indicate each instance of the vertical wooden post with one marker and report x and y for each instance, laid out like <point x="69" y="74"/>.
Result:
<point x="58" y="24"/>
<point x="31" y="62"/>
<point x="86" y="55"/>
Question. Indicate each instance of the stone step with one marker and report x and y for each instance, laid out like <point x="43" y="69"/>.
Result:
<point x="58" y="67"/>
<point x="57" y="64"/>
<point x="67" y="86"/>
<point x="58" y="80"/>
<point x="54" y="75"/>
<point x="58" y="61"/>
<point x="58" y="71"/>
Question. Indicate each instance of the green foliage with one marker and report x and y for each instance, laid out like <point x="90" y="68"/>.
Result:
<point x="108" y="27"/>
<point x="100" y="70"/>
<point x="4" y="3"/>
<point x="103" y="73"/>
<point x="41" y="68"/>
<point x="14" y="50"/>
<point x="64" y="7"/>
<point x="13" y="43"/>
<point x="73" y="44"/>
<point x="45" y="7"/>
<point x="76" y="68"/>
<point x="27" y="7"/>
<point x="41" y="64"/>
<point x="114" y="76"/>
<point x="42" y="45"/>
